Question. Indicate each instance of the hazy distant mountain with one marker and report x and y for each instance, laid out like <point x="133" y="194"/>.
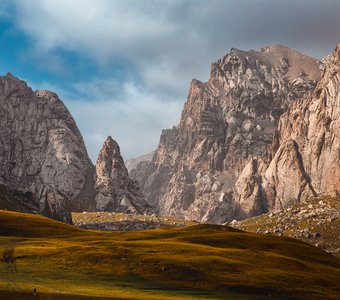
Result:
<point x="132" y="163"/>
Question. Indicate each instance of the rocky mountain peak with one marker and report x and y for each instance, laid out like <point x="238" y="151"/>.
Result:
<point x="110" y="164"/>
<point x="41" y="148"/>
<point x="110" y="149"/>
<point x="224" y="123"/>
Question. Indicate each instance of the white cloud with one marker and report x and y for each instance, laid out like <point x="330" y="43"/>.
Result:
<point x="145" y="33"/>
<point x="135" y="119"/>
<point x="165" y="44"/>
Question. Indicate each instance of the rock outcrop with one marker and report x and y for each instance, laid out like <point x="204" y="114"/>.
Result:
<point x="307" y="160"/>
<point x="115" y="190"/>
<point x="14" y="200"/>
<point x="41" y="149"/>
<point x="42" y="154"/>
<point x="198" y="169"/>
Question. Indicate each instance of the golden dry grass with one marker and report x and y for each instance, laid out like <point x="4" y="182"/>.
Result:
<point x="202" y="261"/>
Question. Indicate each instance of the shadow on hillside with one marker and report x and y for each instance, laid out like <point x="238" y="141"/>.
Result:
<point x="30" y="296"/>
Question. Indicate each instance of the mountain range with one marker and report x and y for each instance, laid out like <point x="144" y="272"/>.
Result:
<point x="259" y="136"/>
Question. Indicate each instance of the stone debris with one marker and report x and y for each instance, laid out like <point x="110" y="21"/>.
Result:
<point x="316" y="223"/>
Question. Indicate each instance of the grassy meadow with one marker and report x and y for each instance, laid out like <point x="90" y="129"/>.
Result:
<point x="194" y="262"/>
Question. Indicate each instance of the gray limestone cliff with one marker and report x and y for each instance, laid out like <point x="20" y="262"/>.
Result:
<point x="42" y="150"/>
<point x="201" y="168"/>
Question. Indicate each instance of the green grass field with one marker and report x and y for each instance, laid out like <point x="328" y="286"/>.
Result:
<point x="195" y="262"/>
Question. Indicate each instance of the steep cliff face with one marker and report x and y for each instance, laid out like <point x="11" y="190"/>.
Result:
<point x="41" y="148"/>
<point x="307" y="161"/>
<point x="115" y="190"/>
<point x="195" y="170"/>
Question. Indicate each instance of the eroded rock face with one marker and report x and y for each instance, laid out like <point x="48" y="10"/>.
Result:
<point x="115" y="190"/>
<point x="42" y="150"/>
<point x="198" y="169"/>
<point x="307" y="161"/>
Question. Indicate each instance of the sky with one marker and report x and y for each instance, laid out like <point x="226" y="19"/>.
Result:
<point x="123" y="67"/>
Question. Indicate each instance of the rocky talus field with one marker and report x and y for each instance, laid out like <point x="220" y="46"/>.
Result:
<point x="316" y="221"/>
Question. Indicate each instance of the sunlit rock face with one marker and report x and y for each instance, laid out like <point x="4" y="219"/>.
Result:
<point x="307" y="160"/>
<point x="207" y="167"/>
<point x="42" y="150"/>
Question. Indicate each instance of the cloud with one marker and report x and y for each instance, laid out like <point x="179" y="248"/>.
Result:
<point x="134" y="122"/>
<point x="179" y="37"/>
<point x="154" y="48"/>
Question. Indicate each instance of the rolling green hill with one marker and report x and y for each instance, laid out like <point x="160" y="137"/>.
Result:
<point x="202" y="261"/>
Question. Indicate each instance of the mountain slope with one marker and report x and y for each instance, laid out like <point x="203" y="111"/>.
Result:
<point x="18" y="201"/>
<point x="228" y="120"/>
<point x="193" y="262"/>
<point x="304" y="159"/>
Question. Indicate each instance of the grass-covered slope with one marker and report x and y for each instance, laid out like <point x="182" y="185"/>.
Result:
<point x="203" y="261"/>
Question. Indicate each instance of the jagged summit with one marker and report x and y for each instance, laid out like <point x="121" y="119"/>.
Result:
<point x="225" y="122"/>
<point x="306" y="162"/>
<point x="110" y="149"/>
<point x="115" y="190"/>
<point x="294" y="64"/>
<point x="111" y="142"/>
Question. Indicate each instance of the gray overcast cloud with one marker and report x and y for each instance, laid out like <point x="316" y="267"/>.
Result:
<point x="165" y="43"/>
